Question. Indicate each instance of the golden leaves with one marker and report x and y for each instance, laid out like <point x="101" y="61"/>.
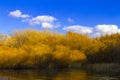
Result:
<point x="36" y="48"/>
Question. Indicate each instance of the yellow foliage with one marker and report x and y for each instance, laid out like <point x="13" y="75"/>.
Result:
<point x="36" y="52"/>
<point x="61" y="53"/>
<point x="36" y="48"/>
<point x="77" y="56"/>
<point x="10" y="57"/>
<point x="77" y="41"/>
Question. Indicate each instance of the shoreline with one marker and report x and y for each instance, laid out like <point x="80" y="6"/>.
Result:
<point x="98" y="67"/>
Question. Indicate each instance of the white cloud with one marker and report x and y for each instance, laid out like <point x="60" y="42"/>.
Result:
<point x="25" y="16"/>
<point x="78" y="29"/>
<point x="70" y="20"/>
<point x="106" y="29"/>
<point x="50" y="22"/>
<point x="43" y="18"/>
<point x="45" y="21"/>
<point x="18" y="14"/>
<point x="47" y="25"/>
<point x="94" y="31"/>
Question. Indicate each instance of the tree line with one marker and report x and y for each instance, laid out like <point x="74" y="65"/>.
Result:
<point x="42" y="49"/>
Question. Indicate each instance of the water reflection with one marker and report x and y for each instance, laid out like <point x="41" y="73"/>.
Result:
<point x="72" y="75"/>
<point x="52" y="75"/>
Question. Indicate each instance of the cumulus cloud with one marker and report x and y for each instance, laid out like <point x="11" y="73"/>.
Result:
<point x="47" y="25"/>
<point x="78" y="29"/>
<point x="50" y="22"/>
<point x="94" y="31"/>
<point x="43" y="18"/>
<point x="106" y="29"/>
<point x="18" y="14"/>
<point x="45" y="21"/>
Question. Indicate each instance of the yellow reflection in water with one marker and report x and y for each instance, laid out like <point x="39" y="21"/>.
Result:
<point x="72" y="75"/>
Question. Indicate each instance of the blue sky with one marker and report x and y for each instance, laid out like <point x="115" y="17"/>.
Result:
<point x="82" y="16"/>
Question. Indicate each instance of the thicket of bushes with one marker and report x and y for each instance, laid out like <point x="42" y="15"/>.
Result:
<point x="40" y="49"/>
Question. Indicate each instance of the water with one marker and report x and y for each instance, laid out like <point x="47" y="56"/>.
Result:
<point x="72" y="74"/>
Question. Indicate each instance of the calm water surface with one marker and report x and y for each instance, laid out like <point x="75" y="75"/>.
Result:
<point x="55" y="75"/>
